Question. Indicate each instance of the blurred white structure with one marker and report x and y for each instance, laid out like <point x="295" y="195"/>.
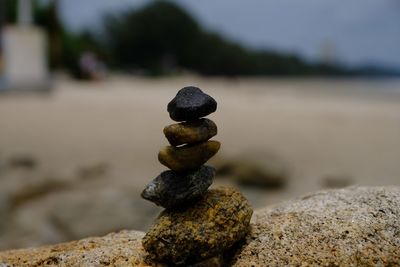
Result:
<point x="25" y="53"/>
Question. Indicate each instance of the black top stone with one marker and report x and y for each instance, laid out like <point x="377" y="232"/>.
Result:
<point x="191" y="103"/>
<point x="177" y="190"/>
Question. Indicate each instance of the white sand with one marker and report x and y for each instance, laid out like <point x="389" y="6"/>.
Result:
<point x="321" y="127"/>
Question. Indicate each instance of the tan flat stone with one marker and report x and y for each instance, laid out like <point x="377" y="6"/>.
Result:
<point x="190" y="132"/>
<point x="188" y="157"/>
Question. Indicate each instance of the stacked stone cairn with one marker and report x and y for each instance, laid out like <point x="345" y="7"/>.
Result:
<point x="198" y="223"/>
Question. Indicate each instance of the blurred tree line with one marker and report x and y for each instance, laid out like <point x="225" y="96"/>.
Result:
<point x="161" y="38"/>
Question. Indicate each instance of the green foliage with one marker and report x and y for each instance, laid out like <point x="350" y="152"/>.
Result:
<point x="161" y="37"/>
<point x="158" y="35"/>
<point x="11" y="11"/>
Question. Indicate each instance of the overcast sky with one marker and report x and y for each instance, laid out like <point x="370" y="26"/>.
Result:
<point x="353" y="31"/>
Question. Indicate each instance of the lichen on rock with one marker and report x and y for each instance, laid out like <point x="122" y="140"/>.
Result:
<point x="209" y="227"/>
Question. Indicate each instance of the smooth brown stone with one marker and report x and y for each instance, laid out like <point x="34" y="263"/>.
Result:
<point x="188" y="157"/>
<point x="190" y="132"/>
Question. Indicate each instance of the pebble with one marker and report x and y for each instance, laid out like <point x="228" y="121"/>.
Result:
<point x="208" y="228"/>
<point x="188" y="157"/>
<point x="175" y="190"/>
<point x="190" y="103"/>
<point x="190" y="132"/>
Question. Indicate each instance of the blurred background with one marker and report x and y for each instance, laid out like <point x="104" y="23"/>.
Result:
<point x="308" y="98"/>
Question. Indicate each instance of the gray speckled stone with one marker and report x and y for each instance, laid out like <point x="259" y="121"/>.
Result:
<point x="191" y="103"/>
<point x="355" y="226"/>
<point x="174" y="190"/>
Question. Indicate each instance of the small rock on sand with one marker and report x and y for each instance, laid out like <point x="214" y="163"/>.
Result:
<point x="255" y="169"/>
<point x="23" y="161"/>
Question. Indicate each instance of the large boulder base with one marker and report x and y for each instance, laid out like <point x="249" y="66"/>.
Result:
<point x="356" y="226"/>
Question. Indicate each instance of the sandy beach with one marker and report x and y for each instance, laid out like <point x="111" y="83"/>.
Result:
<point x="322" y="128"/>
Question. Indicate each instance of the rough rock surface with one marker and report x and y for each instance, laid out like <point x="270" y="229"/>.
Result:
<point x="206" y="229"/>
<point x="123" y="249"/>
<point x="356" y="226"/>
<point x="177" y="189"/>
<point x="191" y="103"/>
<point x="190" y="132"/>
<point x="189" y="157"/>
<point x="116" y="249"/>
